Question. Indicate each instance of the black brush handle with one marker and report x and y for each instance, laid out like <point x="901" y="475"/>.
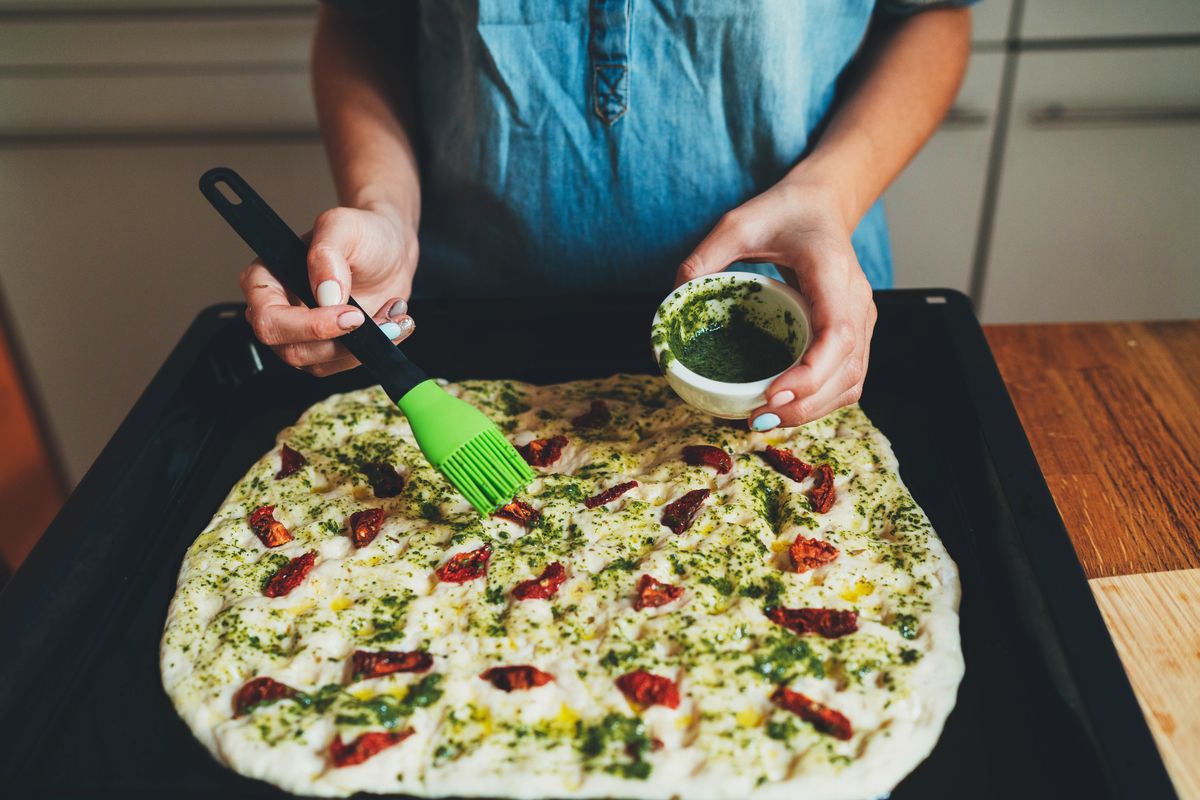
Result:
<point x="286" y="255"/>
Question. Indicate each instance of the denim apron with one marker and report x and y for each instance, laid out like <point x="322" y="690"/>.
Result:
<point x="587" y="147"/>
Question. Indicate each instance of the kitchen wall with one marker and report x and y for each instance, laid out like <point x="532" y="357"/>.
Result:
<point x="1065" y="184"/>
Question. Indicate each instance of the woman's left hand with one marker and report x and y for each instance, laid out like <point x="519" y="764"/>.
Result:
<point x="797" y="226"/>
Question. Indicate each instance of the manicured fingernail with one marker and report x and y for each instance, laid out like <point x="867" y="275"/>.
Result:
<point x="764" y="422"/>
<point x="782" y="398"/>
<point x="406" y="326"/>
<point x="398" y="309"/>
<point x="349" y="320"/>
<point x="391" y="329"/>
<point x="329" y="293"/>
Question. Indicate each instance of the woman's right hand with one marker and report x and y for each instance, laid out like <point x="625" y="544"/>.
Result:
<point x="371" y="254"/>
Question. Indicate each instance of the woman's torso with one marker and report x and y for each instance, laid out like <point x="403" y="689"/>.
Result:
<point x="587" y="147"/>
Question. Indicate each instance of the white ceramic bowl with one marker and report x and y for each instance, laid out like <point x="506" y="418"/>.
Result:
<point x="774" y="306"/>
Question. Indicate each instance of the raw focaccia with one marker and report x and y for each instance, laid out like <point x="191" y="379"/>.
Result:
<point x="871" y="668"/>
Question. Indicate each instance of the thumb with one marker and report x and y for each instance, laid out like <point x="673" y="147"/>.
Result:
<point x="723" y="245"/>
<point x="334" y="236"/>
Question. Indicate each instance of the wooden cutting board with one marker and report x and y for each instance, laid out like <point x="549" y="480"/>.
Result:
<point x="1113" y="413"/>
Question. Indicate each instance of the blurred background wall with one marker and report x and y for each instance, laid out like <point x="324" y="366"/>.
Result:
<point x="1064" y="185"/>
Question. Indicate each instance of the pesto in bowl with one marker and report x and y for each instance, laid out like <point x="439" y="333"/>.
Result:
<point x="721" y="339"/>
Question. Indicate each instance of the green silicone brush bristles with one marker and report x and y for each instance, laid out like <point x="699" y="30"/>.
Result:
<point x="465" y="446"/>
<point x="487" y="470"/>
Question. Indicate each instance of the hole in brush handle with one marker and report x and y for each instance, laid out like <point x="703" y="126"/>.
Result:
<point x="227" y="192"/>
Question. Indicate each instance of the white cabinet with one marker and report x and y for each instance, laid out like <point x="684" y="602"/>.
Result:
<point x="934" y="206"/>
<point x="1097" y="214"/>
<point x="122" y="76"/>
<point x="107" y="249"/>
<point x="989" y="20"/>
<point x="107" y="254"/>
<point x="1081" y="19"/>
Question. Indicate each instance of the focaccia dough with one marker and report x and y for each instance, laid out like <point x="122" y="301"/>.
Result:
<point x="895" y="678"/>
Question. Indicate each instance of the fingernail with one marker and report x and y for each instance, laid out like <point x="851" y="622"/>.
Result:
<point x="782" y="398"/>
<point x="329" y="293"/>
<point x="398" y="309"/>
<point x="395" y="330"/>
<point x="349" y="320"/>
<point x="764" y="422"/>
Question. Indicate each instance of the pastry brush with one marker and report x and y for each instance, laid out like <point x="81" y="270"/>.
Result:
<point x="456" y="438"/>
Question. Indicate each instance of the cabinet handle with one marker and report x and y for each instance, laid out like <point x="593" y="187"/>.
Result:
<point x="1056" y="115"/>
<point x="960" y="117"/>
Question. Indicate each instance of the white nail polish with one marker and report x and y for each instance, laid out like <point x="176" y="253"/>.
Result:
<point x="329" y="293"/>
<point x="782" y="398"/>
<point x="391" y="329"/>
<point x="349" y="320"/>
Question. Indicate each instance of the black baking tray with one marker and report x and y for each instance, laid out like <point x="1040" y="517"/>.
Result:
<point x="1045" y="709"/>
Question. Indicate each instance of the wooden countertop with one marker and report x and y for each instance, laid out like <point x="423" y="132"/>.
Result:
<point x="1113" y="413"/>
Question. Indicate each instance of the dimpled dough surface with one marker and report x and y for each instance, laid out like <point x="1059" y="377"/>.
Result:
<point x="895" y="678"/>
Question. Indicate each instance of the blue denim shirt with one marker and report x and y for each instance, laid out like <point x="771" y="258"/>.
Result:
<point x="572" y="147"/>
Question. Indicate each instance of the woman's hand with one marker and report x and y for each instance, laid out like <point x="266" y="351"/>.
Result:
<point x="797" y="226"/>
<point x="371" y="254"/>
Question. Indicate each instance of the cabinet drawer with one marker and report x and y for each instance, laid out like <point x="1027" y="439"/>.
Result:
<point x="934" y="206"/>
<point x="37" y="44"/>
<point x="137" y="75"/>
<point x="1074" y="19"/>
<point x="89" y="104"/>
<point x="1099" y="201"/>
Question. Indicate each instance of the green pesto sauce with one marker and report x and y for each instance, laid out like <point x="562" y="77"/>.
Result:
<point x="736" y="352"/>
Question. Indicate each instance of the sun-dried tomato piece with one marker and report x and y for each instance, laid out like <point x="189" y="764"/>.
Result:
<point x="678" y="515"/>
<point x="652" y="593"/>
<point x="290" y="462"/>
<point x="385" y="480"/>
<point x="543" y="452"/>
<point x="269" y="530"/>
<point x="468" y="566"/>
<point x="290" y="575"/>
<point x="520" y="512"/>
<point x="707" y="455"/>
<point x="365" y="664"/>
<point x="544" y="586"/>
<point x="259" y="691"/>
<point x="647" y="689"/>
<point x="364" y="747"/>
<point x="811" y="553"/>
<point x="597" y="416"/>
<point x="828" y="622"/>
<point x="823" y="492"/>
<point x="821" y="717"/>
<point x="521" y="676"/>
<point x="610" y="494"/>
<point x="365" y="525"/>
<point x="786" y="463"/>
